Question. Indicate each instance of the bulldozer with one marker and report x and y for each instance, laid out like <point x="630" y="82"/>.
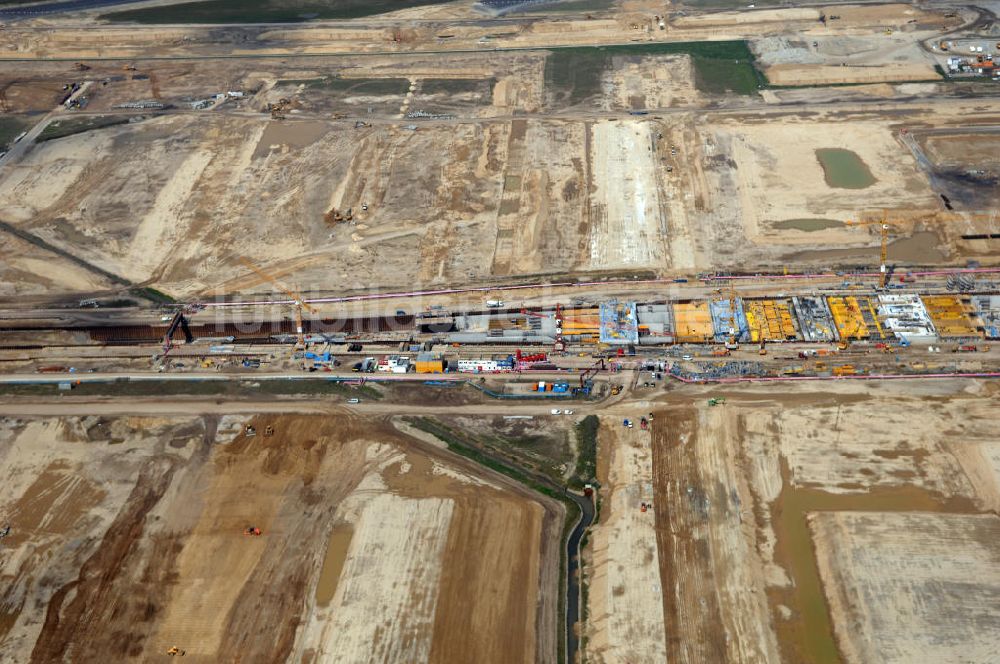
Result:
<point x="278" y="109"/>
<point x="334" y="216"/>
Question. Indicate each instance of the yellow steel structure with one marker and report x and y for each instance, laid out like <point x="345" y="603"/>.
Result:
<point x="848" y="317"/>
<point x="693" y="322"/>
<point x="770" y="319"/>
<point x="299" y="302"/>
<point x="872" y="306"/>
<point x="952" y="316"/>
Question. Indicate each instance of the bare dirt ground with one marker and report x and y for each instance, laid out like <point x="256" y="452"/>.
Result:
<point x="625" y="606"/>
<point x="888" y="615"/>
<point x="777" y="514"/>
<point x="477" y="194"/>
<point x="364" y="554"/>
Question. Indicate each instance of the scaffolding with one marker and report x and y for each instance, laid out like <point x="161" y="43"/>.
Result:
<point x="619" y="323"/>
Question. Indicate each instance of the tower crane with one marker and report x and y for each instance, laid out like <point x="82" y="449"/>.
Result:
<point x="298" y="300"/>
<point x="883" y="223"/>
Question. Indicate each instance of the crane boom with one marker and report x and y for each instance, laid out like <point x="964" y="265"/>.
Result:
<point x="298" y="300"/>
<point x="883" y="224"/>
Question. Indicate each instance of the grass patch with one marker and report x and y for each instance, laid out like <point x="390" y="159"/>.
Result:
<point x="263" y="11"/>
<point x="63" y="128"/>
<point x="456" y="86"/>
<point x="10" y="127"/>
<point x="367" y="86"/>
<point x="563" y="7"/>
<point x="720" y="67"/>
<point x="159" y="297"/>
<point x="586" y="451"/>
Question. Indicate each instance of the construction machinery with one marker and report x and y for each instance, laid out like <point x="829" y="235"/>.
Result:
<point x="297" y="301"/>
<point x="716" y="401"/>
<point x="559" y="345"/>
<point x="335" y="216"/>
<point x="174" y="651"/>
<point x="589" y="373"/>
<point x="883" y="223"/>
<point x="181" y="321"/>
<point x="278" y="109"/>
<point x="252" y="531"/>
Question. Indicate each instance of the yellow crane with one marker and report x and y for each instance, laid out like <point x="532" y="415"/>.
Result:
<point x="299" y="302"/>
<point x="883" y="223"/>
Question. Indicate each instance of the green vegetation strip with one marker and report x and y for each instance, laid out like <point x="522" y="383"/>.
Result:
<point x="64" y="128"/>
<point x="369" y="86"/>
<point x="263" y="11"/>
<point x="720" y="67"/>
<point x="153" y="295"/>
<point x="10" y="127"/>
<point x="221" y="388"/>
<point x="586" y="451"/>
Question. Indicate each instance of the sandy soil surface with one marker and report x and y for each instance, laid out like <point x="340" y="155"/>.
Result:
<point x="625" y="207"/>
<point x="737" y="486"/>
<point x="911" y="587"/>
<point x="364" y="554"/>
<point x="625" y="597"/>
<point x="838" y="74"/>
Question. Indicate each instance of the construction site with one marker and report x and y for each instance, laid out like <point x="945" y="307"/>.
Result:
<point x="563" y="331"/>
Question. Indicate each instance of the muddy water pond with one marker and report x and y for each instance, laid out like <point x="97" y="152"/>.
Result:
<point x="844" y="169"/>
<point x="333" y="563"/>
<point x="807" y="225"/>
<point x="295" y="134"/>
<point x="921" y="248"/>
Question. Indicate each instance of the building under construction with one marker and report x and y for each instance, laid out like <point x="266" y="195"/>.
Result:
<point x="619" y="323"/>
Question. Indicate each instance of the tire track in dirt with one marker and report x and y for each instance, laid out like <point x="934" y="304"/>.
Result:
<point x="72" y="628"/>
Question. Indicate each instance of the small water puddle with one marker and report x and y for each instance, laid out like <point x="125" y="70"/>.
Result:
<point x="807" y="225"/>
<point x="333" y="563"/>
